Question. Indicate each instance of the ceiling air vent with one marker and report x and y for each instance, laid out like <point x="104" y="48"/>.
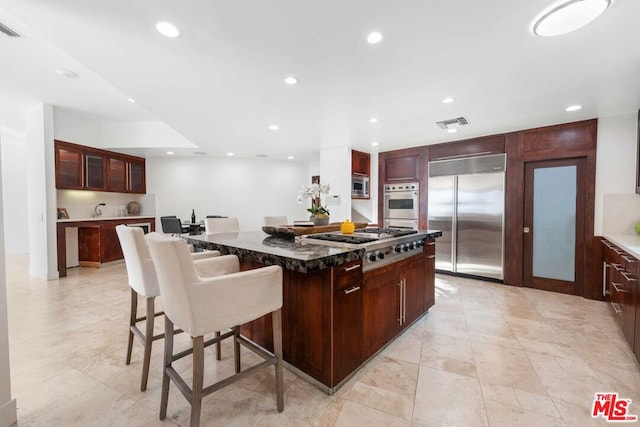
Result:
<point x="8" y="31"/>
<point x="452" y="123"/>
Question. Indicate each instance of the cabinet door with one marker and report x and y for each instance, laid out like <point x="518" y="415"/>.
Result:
<point x="68" y="168"/>
<point x="347" y="330"/>
<point x="414" y="288"/>
<point x="94" y="172"/>
<point x="381" y="305"/>
<point x="137" y="183"/>
<point x="110" y="249"/>
<point x="117" y="175"/>
<point x="360" y="163"/>
<point x="402" y="168"/>
<point x="630" y="285"/>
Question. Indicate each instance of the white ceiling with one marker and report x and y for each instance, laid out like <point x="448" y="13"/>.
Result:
<point x="220" y="83"/>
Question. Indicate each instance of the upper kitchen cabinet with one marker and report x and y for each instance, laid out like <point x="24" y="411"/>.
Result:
<point x="483" y="146"/>
<point x="401" y="165"/>
<point x="94" y="171"/>
<point x="360" y="163"/>
<point x="85" y="168"/>
<point x="68" y="159"/>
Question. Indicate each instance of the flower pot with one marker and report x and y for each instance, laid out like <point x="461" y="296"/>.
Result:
<point x="319" y="220"/>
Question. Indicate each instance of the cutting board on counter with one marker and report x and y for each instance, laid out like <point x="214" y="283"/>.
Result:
<point x="292" y="230"/>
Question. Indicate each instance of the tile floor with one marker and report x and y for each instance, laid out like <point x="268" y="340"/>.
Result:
<point x="485" y="354"/>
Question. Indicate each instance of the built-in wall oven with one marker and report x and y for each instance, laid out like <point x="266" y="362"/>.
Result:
<point x="401" y="205"/>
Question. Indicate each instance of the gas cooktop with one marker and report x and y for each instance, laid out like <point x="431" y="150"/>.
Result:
<point x="362" y="236"/>
<point x="382" y="245"/>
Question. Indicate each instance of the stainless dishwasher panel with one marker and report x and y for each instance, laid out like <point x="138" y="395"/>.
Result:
<point x="480" y="237"/>
<point x="441" y="209"/>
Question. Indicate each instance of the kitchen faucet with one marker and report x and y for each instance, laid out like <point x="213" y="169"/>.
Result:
<point x="96" y="211"/>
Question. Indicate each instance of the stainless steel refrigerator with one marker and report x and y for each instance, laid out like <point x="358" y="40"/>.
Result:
<point x="466" y="202"/>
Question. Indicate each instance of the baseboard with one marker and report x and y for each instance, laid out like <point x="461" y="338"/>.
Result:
<point x="8" y="414"/>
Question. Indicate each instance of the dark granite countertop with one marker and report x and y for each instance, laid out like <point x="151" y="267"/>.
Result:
<point x="290" y="254"/>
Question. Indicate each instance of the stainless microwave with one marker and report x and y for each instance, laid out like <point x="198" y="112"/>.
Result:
<point x="359" y="186"/>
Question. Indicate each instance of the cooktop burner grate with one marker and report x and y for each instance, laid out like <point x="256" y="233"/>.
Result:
<point x="394" y="232"/>
<point x="343" y="238"/>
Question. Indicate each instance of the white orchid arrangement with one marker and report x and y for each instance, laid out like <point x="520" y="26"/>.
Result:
<point x="314" y="191"/>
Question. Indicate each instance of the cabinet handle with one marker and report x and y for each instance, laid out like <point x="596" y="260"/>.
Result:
<point x="617" y="287"/>
<point x="431" y="244"/>
<point x="431" y="256"/>
<point x="404" y="301"/>
<point x="629" y="278"/>
<point x="626" y="258"/>
<point x="353" y="267"/>
<point x="616" y="307"/>
<point x="348" y="291"/>
<point x="400" y="302"/>
<point x="618" y="267"/>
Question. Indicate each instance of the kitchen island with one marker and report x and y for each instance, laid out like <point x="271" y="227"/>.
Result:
<point x="339" y="308"/>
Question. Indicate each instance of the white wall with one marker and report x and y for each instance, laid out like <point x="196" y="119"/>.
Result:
<point x="617" y="207"/>
<point x="14" y="195"/>
<point x="244" y="188"/>
<point x="8" y="414"/>
<point x="335" y="170"/>
<point x="41" y="195"/>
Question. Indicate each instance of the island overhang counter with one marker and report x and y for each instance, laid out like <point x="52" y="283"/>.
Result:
<point x="335" y="317"/>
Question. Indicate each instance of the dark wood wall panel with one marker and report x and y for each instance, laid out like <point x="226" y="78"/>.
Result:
<point x="569" y="140"/>
<point x="493" y="144"/>
<point x="559" y="139"/>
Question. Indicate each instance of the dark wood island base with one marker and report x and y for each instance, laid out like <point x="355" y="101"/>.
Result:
<point x="334" y="316"/>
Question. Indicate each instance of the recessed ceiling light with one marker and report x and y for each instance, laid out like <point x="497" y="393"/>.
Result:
<point x="290" y="157"/>
<point x="452" y="130"/>
<point x="167" y="29"/>
<point x="131" y="100"/>
<point x="573" y="108"/>
<point x="67" y="73"/>
<point x="374" y="144"/>
<point x="290" y="80"/>
<point x="374" y="37"/>
<point x="261" y="155"/>
<point x="274" y="127"/>
<point x="448" y="100"/>
<point x="569" y="16"/>
<point x="373" y="120"/>
<point x="170" y="153"/>
<point x="230" y="154"/>
<point x="200" y="153"/>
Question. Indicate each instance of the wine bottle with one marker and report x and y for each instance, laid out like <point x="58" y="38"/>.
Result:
<point x="193" y="216"/>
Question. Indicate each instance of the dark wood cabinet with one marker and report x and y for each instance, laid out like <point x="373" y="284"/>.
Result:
<point x="395" y="296"/>
<point x="94" y="171"/>
<point x="68" y="165"/>
<point x="414" y="288"/>
<point x="360" y="163"/>
<point x="85" y="168"/>
<point x="117" y="176"/>
<point x="401" y="169"/>
<point x="136" y="181"/>
<point x="347" y="320"/>
<point x="97" y="240"/>
<point x="381" y="307"/>
<point x="621" y="290"/>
